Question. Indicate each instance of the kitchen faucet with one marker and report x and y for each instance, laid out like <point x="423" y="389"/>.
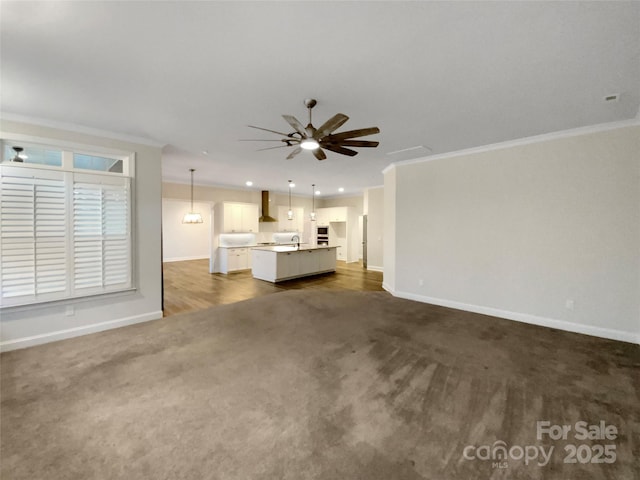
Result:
<point x="296" y="238"/>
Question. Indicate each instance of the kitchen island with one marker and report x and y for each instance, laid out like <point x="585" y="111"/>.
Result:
<point x="284" y="262"/>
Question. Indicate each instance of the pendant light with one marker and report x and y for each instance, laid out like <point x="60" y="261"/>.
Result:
<point x="312" y="215"/>
<point x="290" y="212"/>
<point x="192" y="217"/>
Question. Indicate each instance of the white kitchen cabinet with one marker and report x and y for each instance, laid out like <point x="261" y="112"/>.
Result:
<point x="325" y="216"/>
<point x="286" y="225"/>
<point x="288" y="265"/>
<point x="338" y="214"/>
<point x="308" y="262"/>
<point x="237" y="217"/>
<point x="234" y="259"/>
<point x="250" y="214"/>
<point x="326" y="259"/>
<point x="322" y="217"/>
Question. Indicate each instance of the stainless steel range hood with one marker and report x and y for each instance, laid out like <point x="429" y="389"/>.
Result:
<point x="265" y="208"/>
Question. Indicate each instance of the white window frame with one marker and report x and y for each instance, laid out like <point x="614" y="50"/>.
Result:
<point x="69" y="173"/>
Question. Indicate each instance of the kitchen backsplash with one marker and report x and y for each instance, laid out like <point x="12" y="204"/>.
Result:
<point x="244" y="239"/>
<point x="285" y="237"/>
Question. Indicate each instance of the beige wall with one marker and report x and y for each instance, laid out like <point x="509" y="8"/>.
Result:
<point x="185" y="241"/>
<point x="389" y="237"/>
<point x="374" y="209"/>
<point x="24" y="326"/>
<point x="547" y="232"/>
<point x="352" y="201"/>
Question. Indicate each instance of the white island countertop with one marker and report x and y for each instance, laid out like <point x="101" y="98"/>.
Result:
<point x="293" y="248"/>
<point x="284" y="262"/>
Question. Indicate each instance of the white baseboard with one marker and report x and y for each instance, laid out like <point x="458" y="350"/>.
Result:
<point x="77" y="331"/>
<point x="386" y="287"/>
<point x="621" y="335"/>
<point x="182" y="259"/>
<point x="374" y="268"/>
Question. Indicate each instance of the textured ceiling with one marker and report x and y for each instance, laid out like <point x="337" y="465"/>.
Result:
<point x="444" y="75"/>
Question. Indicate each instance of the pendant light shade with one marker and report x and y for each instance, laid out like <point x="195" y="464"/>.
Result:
<point x="312" y="215"/>
<point x="290" y="212"/>
<point x="192" y="217"/>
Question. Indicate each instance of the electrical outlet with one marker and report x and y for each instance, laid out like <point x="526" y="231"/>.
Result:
<point x="420" y="282"/>
<point x="569" y="304"/>
<point x="70" y="311"/>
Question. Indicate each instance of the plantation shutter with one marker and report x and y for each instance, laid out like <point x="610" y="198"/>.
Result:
<point x="33" y="228"/>
<point x="62" y="234"/>
<point x="101" y="233"/>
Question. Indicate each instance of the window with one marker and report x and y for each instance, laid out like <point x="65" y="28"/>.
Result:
<point x="63" y="233"/>
<point x="91" y="162"/>
<point x="33" y="154"/>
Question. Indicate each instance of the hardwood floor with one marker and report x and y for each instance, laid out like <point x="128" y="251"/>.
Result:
<point x="188" y="285"/>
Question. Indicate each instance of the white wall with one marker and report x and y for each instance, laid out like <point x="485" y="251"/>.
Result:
<point x="374" y="209"/>
<point x="185" y="241"/>
<point x="24" y="326"/>
<point x="546" y="232"/>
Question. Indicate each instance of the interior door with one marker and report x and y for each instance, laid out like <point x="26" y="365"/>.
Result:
<point x="363" y="229"/>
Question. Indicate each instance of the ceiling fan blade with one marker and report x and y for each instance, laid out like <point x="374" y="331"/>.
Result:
<point x="330" y="125"/>
<point x="271" y="148"/>
<point x="267" y="130"/>
<point x="319" y="154"/>
<point x="352" y="134"/>
<point x="356" y="143"/>
<point x="297" y="126"/>
<point x="262" y="140"/>
<point x="339" y="149"/>
<point x="294" y="153"/>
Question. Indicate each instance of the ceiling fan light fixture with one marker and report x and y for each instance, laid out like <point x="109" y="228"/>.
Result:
<point x="309" y="144"/>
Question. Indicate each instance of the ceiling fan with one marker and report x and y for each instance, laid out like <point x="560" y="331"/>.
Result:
<point x="317" y="139"/>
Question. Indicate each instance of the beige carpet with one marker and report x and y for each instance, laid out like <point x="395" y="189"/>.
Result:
<point x="315" y="385"/>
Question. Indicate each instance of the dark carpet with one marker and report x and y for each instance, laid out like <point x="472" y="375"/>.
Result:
<point x="321" y="385"/>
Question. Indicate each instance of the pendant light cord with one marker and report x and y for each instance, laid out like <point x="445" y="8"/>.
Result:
<point x="192" y="170"/>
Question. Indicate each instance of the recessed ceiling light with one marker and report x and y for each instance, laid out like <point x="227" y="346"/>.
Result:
<point x="317" y="192"/>
<point x="341" y="189"/>
<point x="205" y="152"/>
<point x="248" y="183"/>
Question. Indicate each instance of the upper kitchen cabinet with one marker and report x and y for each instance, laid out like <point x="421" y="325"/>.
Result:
<point x="286" y="225"/>
<point x="324" y="216"/>
<point x="236" y="217"/>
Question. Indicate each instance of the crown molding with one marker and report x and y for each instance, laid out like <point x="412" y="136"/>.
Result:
<point x="545" y="137"/>
<point x="72" y="127"/>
